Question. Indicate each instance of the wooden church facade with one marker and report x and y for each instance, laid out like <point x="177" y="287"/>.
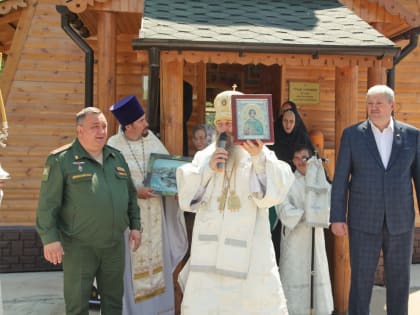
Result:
<point x="44" y="85"/>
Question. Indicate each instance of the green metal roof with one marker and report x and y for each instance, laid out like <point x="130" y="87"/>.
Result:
<point x="294" y="26"/>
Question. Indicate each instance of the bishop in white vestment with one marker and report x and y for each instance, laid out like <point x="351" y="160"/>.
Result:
<point x="232" y="268"/>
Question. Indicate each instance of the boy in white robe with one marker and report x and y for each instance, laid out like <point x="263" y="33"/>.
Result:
<point x="296" y="250"/>
<point x="232" y="268"/>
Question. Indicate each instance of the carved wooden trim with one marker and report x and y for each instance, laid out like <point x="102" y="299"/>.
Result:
<point x="279" y="59"/>
<point x="78" y="6"/>
<point x="394" y="7"/>
<point x="7" y="6"/>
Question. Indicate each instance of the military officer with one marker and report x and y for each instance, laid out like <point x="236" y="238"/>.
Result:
<point x="87" y="201"/>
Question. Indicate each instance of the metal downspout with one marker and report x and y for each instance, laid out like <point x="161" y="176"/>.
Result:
<point x="414" y="36"/>
<point x="154" y="90"/>
<point x="65" y="25"/>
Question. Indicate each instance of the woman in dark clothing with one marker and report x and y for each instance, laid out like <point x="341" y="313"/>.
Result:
<point x="289" y="132"/>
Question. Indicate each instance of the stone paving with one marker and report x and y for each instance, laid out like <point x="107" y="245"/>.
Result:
<point x="41" y="293"/>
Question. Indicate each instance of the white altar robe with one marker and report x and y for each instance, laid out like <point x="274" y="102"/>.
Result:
<point x="232" y="268"/>
<point x="148" y="282"/>
<point x="295" y="256"/>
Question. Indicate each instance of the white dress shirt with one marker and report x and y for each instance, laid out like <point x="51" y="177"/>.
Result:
<point x="384" y="141"/>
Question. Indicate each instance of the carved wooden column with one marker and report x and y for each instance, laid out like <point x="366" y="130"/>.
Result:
<point x="346" y="79"/>
<point x="171" y="123"/>
<point x="107" y="64"/>
<point x="171" y="101"/>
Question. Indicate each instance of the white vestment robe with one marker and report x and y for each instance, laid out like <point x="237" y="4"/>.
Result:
<point x="296" y="255"/>
<point x="148" y="283"/>
<point x="232" y="267"/>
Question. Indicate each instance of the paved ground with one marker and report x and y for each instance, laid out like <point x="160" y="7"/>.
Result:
<point x="41" y="293"/>
<point x="33" y="293"/>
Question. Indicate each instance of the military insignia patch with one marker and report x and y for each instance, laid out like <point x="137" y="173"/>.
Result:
<point x="45" y="173"/>
<point x="79" y="165"/>
<point x="121" y="171"/>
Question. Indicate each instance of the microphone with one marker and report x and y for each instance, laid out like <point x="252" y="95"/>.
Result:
<point x="221" y="144"/>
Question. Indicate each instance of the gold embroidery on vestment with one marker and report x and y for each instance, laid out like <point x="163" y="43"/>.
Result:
<point x="234" y="203"/>
<point x="146" y="274"/>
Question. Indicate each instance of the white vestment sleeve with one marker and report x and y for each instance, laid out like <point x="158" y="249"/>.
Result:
<point x="278" y="178"/>
<point x="288" y="211"/>
<point x="193" y="180"/>
<point x="258" y="181"/>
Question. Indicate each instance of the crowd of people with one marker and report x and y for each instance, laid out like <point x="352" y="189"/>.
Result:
<point x="253" y="248"/>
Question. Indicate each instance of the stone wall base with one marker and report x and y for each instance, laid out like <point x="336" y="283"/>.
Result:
<point x="21" y="250"/>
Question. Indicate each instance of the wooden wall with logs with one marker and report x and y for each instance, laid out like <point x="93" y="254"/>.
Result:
<point x="43" y="88"/>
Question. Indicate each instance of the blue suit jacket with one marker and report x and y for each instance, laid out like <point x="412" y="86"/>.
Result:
<point x="370" y="192"/>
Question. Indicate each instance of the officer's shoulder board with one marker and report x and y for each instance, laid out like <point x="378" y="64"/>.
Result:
<point x="46" y="170"/>
<point x="61" y="149"/>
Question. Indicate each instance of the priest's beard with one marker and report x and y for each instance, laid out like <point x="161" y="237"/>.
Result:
<point x="235" y="151"/>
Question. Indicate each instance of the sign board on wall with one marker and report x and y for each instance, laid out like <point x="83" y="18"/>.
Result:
<point x="304" y="92"/>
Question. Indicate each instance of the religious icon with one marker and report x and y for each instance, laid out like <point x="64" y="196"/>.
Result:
<point x="252" y="118"/>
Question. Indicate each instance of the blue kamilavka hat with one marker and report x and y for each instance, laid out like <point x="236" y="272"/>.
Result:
<point x="127" y="110"/>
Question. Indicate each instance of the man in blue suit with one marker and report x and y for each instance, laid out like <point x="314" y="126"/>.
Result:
<point x="372" y="201"/>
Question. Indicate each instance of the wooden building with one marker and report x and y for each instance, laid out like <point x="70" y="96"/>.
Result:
<point x="64" y="55"/>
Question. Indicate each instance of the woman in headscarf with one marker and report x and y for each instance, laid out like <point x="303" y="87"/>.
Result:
<point x="289" y="133"/>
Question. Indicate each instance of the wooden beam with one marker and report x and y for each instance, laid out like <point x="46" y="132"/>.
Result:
<point x="10" y="18"/>
<point x="345" y="115"/>
<point x="171" y="115"/>
<point x="107" y="65"/>
<point x="200" y="88"/>
<point x="16" y="49"/>
<point x="376" y="75"/>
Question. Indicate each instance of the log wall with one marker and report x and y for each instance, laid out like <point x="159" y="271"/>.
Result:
<point x="48" y="89"/>
<point x="45" y="94"/>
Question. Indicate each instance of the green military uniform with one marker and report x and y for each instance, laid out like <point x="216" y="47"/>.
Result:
<point x="87" y="207"/>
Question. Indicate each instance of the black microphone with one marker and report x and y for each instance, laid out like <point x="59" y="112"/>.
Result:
<point x="221" y="144"/>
